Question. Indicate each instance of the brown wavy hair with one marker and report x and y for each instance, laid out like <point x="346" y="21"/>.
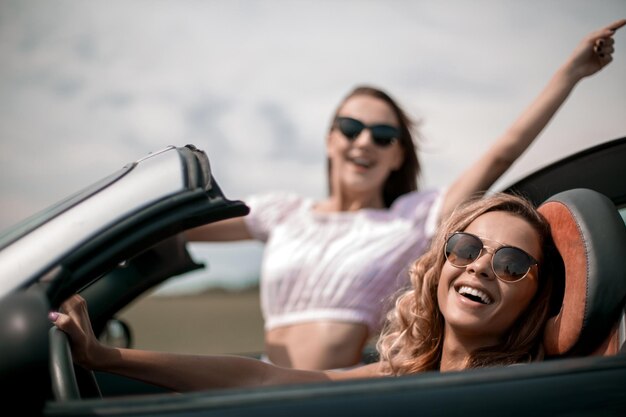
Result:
<point x="412" y="339"/>
<point x="404" y="179"/>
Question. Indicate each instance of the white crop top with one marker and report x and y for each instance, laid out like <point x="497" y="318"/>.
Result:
<point x="341" y="266"/>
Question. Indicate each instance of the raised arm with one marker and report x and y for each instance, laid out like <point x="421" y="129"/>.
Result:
<point x="179" y="372"/>
<point x="592" y="54"/>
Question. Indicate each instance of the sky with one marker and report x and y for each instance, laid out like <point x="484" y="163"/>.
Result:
<point x="86" y="87"/>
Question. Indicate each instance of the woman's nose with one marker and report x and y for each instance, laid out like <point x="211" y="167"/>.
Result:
<point x="482" y="265"/>
<point x="364" y="138"/>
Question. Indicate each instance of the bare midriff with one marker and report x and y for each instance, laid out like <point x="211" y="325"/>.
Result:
<point x="316" y="345"/>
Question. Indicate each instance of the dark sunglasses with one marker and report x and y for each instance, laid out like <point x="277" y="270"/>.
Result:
<point x="382" y="135"/>
<point x="510" y="264"/>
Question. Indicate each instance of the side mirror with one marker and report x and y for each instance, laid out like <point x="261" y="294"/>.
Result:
<point x="116" y="333"/>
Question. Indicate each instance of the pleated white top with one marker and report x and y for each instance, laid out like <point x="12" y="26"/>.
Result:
<point x="343" y="266"/>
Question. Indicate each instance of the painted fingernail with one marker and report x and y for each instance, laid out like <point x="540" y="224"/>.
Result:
<point x="53" y="316"/>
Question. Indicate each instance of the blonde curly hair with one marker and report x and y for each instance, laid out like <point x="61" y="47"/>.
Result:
<point x="412" y="338"/>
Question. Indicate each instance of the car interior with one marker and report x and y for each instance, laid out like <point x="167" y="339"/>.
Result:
<point x="589" y="234"/>
<point x="584" y="339"/>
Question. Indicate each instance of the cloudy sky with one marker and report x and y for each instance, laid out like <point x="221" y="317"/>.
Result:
<point x="86" y="87"/>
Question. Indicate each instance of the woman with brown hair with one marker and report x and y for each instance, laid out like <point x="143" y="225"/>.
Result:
<point x="414" y="339"/>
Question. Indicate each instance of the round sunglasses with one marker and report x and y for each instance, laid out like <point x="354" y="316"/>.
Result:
<point x="508" y="263"/>
<point x="382" y="135"/>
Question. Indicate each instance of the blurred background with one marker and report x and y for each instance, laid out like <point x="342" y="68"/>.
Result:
<point x="86" y="87"/>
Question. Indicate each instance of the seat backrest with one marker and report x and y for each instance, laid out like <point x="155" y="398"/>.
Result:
<point x="590" y="235"/>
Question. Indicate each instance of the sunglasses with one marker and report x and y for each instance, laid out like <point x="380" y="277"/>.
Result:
<point x="510" y="264"/>
<point x="382" y="135"/>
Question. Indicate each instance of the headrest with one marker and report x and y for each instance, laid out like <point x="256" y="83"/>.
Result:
<point x="590" y="235"/>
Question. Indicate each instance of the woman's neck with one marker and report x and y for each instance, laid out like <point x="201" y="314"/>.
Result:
<point x="453" y="358"/>
<point x="457" y="350"/>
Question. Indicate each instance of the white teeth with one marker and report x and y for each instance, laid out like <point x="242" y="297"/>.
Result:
<point x="484" y="298"/>
<point x="362" y="161"/>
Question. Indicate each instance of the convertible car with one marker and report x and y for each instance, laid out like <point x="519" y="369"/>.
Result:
<point x="120" y="237"/>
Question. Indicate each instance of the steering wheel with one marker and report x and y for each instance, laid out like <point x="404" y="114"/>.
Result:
<point x="62" y="375"/>
<point x="66" y="379"/>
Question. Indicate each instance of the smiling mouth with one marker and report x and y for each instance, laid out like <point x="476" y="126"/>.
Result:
<point x="474" y="294"/>
<point x="362" y="162"/>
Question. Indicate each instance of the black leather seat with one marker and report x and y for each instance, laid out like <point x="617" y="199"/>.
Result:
<point x="590" y="235"/>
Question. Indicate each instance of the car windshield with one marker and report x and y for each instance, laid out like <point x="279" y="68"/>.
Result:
<point x="29" y="224"/>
